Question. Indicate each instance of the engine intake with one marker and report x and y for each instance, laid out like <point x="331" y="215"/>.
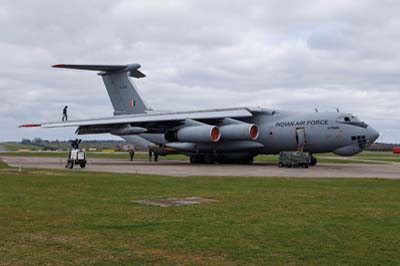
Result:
<point x="194" y="134"/>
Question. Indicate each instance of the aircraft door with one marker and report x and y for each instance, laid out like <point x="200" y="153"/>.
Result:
<point x="301" y="138"/>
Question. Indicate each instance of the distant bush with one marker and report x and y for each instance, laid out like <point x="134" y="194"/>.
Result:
<point x="25" y="141"/>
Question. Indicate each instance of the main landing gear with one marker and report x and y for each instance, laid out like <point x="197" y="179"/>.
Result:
<point x="221" y="159"/>
<point x="202" y="159"/>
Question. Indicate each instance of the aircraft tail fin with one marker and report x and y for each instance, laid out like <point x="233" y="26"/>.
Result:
<point x="123" y="93"/>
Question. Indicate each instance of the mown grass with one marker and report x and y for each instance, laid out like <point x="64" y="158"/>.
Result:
<point x="116" y="155"/>
<point x="368" y="154"/>
<point x="16" y="146"/>
<point x="3" y="165"/>
<point x="83" y="218"/>
<point x="377" y="154"/>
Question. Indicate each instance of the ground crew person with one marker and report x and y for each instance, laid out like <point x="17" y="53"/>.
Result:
<point x="65" y="115"/>
<point x="131" y="153"/>
<point x="151" y="155"/>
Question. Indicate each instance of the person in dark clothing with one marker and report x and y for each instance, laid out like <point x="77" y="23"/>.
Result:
<point x="131" y="153"/>
<point x="65" y="115"/>
<point x="75" y="143"/>
<point x="151" y="153"/>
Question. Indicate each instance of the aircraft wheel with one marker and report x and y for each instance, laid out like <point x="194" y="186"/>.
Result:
<point x="82" y="165"/>
<point x="313" y="161"/>
<point x="195" y="159"/>
<point x="221" y="160"/>
<point x="70" y="164"/>
<point x="209" y="159"/>
<point x="244" y="160"/>
<point x="280" y="165"/>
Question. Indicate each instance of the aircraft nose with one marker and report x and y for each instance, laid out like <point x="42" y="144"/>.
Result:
<point x="372" y="134"/>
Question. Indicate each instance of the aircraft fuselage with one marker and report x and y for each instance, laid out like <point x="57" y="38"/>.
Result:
<point x="315" y="132"/>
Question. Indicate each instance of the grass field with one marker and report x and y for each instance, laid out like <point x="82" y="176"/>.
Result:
<point x="83" y="218"/>
<point x="123" y="155"/>
<point x="370" y="155"/>
<point x="3" y="165"/>
<point x="15" y="146"/>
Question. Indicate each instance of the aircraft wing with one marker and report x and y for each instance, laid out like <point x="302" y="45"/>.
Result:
<point x="154" y="122"/>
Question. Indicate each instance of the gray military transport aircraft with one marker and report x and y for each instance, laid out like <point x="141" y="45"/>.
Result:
<point x="217" y="135"/>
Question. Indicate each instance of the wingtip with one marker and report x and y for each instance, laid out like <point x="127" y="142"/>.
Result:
<point x="30" y="125"/>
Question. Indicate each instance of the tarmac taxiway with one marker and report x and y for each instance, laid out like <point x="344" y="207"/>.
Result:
<point x="184" y="168"/>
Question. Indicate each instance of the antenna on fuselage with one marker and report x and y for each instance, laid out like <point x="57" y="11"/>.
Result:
<point x="316" y="110"/>
<point x="337" y="110"/>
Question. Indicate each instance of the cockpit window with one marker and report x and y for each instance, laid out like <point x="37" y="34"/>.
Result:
<point x="343" y="119"/>
<point x="351" y="119"/>
<point x="348" y="118"/>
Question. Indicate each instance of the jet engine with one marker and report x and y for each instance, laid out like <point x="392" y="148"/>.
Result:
<point x="194" y="134"/>
<point x="242" y="131"/>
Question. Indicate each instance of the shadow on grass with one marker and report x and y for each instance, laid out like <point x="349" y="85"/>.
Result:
<point x="123" y="226"/>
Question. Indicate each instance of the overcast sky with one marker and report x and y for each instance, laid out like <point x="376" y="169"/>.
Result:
<point x="296" y="55"/>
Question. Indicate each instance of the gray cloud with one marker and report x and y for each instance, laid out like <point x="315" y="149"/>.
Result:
<point x="201" y="54"/>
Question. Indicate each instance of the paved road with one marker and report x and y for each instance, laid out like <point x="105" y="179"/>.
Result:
<point x="183" y="168"/>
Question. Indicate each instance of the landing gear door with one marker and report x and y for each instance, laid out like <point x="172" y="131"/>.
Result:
<point x="301" y="138"/>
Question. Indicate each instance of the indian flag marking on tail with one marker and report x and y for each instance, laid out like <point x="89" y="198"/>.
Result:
<point x="132" y="103"/>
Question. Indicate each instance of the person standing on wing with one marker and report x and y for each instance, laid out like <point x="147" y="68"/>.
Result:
<point x="65" y="115"/>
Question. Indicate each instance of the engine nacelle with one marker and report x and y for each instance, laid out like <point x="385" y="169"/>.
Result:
<point x="240" y="131"/>
<point x="194" y="134"/>
<point x="128" y="130"/>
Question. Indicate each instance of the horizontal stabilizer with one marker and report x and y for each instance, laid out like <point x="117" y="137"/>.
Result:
<point x="133" y="69"/>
